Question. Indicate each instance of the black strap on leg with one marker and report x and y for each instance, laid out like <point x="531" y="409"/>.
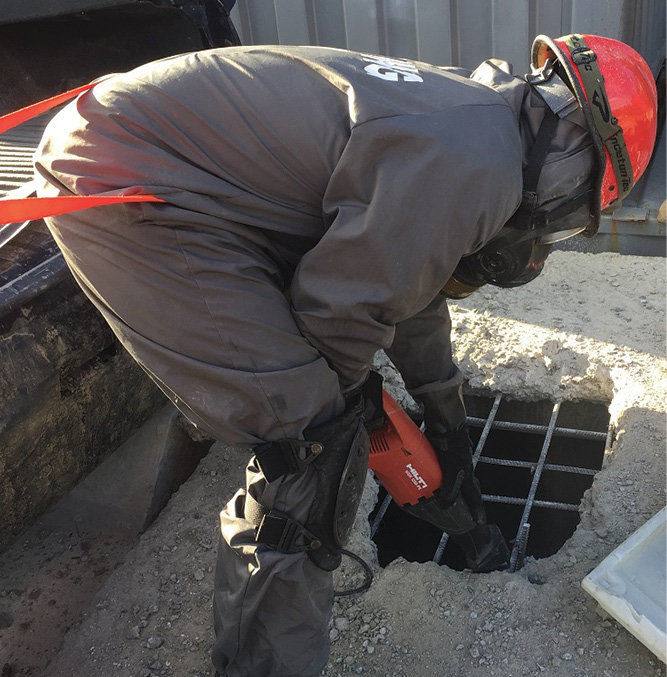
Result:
<point x="282" y="457"/>
<point x="278" y="530"/>
<point x="373" y="412"/>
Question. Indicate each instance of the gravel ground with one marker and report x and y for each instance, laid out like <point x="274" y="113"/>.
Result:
<point x="591" y="327"/>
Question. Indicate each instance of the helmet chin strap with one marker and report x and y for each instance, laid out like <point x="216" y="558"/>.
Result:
<point x="606" y="124"/>
<point x="533" y="170"/>
<point x="542" y="223"/>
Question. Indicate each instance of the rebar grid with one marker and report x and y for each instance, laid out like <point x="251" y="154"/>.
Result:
<point x="520" y="542"/>
<point x="537" y="474"/>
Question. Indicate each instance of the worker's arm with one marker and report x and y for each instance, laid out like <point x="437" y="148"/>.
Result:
<point x="409" y="196"/>
<point x="422" y="353"/>
<point x="422" y="348"/>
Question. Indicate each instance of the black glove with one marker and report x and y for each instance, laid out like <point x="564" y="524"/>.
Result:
<point x="446" y="430"/>
<point x="454" y="452"/>
<point x="458" y="508"/>
<point x="371" y="392"/>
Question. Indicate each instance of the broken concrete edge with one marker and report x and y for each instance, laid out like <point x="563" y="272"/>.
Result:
<point x="50" y="574"/>
<point x="178" y="451"/>
<point x="499" y="349"/>
<point x="569" y="366"/>
<point x="129" y="489"/>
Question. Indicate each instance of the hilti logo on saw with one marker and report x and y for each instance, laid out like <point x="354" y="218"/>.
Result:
<point x="415" y="477"/>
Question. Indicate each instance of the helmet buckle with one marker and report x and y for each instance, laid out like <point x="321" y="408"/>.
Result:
<point x="583" y="55"/>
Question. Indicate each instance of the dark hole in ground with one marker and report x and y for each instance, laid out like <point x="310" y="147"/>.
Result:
<point x="402" y="535"/>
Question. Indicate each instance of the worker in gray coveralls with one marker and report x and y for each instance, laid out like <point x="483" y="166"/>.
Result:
<point x="317" y="203"/>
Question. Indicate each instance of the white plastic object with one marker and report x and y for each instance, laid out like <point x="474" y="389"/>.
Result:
<point x="630" y="584"/>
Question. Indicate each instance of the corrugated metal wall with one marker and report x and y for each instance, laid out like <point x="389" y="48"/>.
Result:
<point x="450" y="32"/>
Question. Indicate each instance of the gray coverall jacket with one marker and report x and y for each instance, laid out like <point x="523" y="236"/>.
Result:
<point x="317" y="202"/>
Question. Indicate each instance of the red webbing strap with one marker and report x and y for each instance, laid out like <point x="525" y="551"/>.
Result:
<point x="32" y="208"/>
<point x="18" y="210"/>
<point x="33" y="110"/>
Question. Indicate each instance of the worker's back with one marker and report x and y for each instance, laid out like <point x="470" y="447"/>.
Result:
<point x="261" y="135"/>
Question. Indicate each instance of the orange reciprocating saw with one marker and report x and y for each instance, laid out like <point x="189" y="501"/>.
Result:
<point x="402" y="458"/>
<point x="406" y="464"/>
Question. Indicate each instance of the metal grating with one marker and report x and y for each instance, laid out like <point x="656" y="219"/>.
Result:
<point x="17" y="146"/>
<point x="29" y="258"/>
<point x="536" y="468"/>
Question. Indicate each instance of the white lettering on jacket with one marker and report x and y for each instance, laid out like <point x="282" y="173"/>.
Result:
<point x="393" y="70"/>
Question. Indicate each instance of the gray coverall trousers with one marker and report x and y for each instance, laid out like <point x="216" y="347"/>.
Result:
<point x="229" y="348"/>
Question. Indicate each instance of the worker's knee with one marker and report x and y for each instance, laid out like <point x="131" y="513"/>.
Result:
<point x="341" y="474"/>
<point x="327" y="471"/>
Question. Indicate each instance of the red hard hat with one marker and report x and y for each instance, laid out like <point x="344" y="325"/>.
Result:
<point x="617" y="93"/>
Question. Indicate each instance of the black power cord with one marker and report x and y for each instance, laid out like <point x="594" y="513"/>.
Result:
<point x="368" y="577"/>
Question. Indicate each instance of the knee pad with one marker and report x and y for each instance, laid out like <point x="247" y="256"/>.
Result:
<point x="341" y="475"/>
<point x="337" y="452"/>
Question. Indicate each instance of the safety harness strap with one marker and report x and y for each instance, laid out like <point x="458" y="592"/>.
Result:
<point x="607" y="125"/>
<point x="18" y="210"/>
<point x="17" y="117"/>
<point x="554" y="92"/>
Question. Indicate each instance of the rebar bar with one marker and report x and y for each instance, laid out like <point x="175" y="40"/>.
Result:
<point x="487" y="429"/>
<point x="476" y="456"/>
<point x="441" y="547"/>
<point x="531" y="464"/>
<point x="380" y="514"/>
<point x="539" y="429"/>
<point x="513" y="500"/>
<point x="536" y="480"/>
<point x="610" y="438"/>
<point x="522" y="542"/>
